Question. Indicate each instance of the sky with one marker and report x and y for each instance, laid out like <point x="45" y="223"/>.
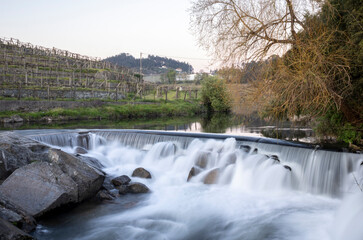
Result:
<point x="103" y="28"/>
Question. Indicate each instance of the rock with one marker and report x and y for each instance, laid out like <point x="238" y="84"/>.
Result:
<point x="121" y="180"/>
<point x="9" y="232"/>
<point x="211" y="176"/>
<point x="16" y="151"/>
<point x="80" y="150"/>
<point x="255" y="151"/>
<point x="245" y="148"/>
<point x="92" y="162"/>
<point x="13" y="119"/>
<point x="287" y="167"/>
<point x="137" y="188"/>
<point x="104" y="194"/>
<point x="141" y="173"/>
<point x="16" y="215"/>
<point x="202" y="159"/>
<point x="123" y="189"/>
<point x="231" y="159"/>
<point x="39" y="187"/>
<point x="83" y="140"/>
<point x="194" y="171"/>
<point x="361" y="163"/>
<point x="88" y="180"/>
<point x="16" y="119"/>
<point x="275" y="158"/>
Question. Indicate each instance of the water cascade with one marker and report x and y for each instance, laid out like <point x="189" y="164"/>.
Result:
<point x="210" y="188"/>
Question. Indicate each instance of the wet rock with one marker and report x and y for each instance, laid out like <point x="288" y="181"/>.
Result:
<point x="202" y="159"/>
<point x="255" y="151"/>
<point x="104" y="194"/>
<point x="80" y="150"/>
<point x="121" y="180"/>
<point x="287" y="167"/>
<point x="231" y="159"/>
<point x="212" y="176"/>
<point x="361" y="163"/>
<point x="39" y="187"/>
<point x="88" y="180"/>
<point x="83" y="140"/>
<point x="9" y="232"/>
<point x="137" y="188"/>
<point x="245" y="148"/>
<point x="141" y="173"/>
<point x="123" y="189"/>
<point x="275" y="158"/>
<point x="194" y="171"/>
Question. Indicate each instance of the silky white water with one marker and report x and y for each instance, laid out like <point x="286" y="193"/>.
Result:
<point x="253" y="196"/>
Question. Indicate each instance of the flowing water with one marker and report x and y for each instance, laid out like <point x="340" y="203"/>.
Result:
<point x="242" y="188"/>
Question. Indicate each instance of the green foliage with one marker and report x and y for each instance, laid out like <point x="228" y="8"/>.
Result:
<point x="334" y="124"/>
<point x="215" y="96"/>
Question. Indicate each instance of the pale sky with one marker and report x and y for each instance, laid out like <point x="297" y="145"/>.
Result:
<point x="105" y="28"/>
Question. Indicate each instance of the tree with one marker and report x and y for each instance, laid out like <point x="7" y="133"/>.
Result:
<point x="215" y="95"/>
<point x="236" y="30"/>
<point x="311" y="76"/>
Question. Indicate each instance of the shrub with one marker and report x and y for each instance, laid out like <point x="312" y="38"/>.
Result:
<point x="215" y="95"/>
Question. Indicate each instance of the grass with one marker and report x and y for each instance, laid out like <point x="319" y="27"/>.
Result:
<point x="113" y="111"/>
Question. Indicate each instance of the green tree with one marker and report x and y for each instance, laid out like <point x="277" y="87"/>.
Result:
<point x="215" y="95"/>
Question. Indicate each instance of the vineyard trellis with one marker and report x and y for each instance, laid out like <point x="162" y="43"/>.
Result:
<point x="27" y="66"/>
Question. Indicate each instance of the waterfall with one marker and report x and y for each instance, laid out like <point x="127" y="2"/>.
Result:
<point x="215" y="188"/>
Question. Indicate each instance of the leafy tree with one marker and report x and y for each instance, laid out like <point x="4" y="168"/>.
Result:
<point x="215" y="95"/>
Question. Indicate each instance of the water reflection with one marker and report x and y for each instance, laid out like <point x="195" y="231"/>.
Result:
<point x="251" y="125"/>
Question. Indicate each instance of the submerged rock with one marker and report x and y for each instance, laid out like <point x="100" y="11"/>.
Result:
<point x="194" y="171"/>
<point x="137" y="188"/>
<point x="123" y="189"/>
<point x="80" y="150"/>
<point x="287" y="167"/>
<point x="104" y="194"/>
<point x="245" y="148"/>
<point x="202" y="159"/>
<point x="141" y="173"/>
<point x="121" y="180"/>
<point x="212" y="176"/>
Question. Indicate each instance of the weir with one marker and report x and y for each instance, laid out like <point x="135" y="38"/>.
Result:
<point x="309" y="168"/>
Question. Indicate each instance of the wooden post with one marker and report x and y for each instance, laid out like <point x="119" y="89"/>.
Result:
<point x="166" y="94"/>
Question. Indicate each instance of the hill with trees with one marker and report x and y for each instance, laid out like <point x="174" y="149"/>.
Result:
<point x="150" y="65"/>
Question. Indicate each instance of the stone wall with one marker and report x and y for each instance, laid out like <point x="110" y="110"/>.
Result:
<point x="57" y="94"/>
<point x="35" y="106"/>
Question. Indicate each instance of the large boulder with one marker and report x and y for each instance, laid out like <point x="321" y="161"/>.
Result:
<point x="17" y="151"/>
<point x="88" y="180"/>
<point x="39" y="187"/>
<point x="141" y="173"/>
<point x="9" y="232"/>
<point x="194" y="171"/>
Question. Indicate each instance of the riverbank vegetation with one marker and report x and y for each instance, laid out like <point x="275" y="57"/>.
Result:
<point x="112" y="111"/>
<point x="309" y="55"/>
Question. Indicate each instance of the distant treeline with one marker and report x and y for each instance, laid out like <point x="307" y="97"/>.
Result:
<point x="150" y="65"/>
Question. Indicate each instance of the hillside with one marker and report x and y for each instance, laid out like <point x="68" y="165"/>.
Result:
<point x="150" y="65"/>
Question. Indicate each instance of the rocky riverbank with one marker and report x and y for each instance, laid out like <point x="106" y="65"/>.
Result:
<point x="37" y="180"/>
